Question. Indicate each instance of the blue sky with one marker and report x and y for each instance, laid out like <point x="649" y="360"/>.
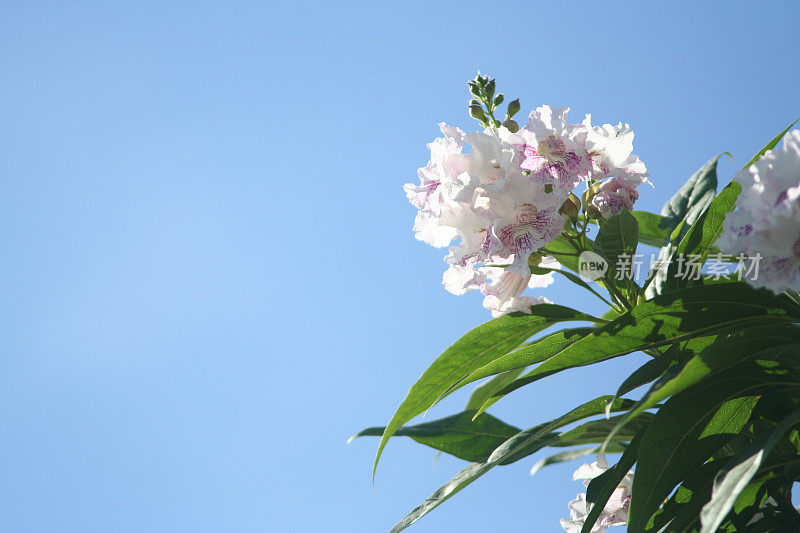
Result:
<point x="209" y="280"/>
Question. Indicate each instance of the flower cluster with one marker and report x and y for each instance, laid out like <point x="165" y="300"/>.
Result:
<point x="500" y="198"/>
<point x="766" y="222"/>
<point x="615" y="512"/>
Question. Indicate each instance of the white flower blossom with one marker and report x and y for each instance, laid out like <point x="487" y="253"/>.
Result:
<point x="504" y="288"/>
<point x="610" y="149"/>
<point x="766" y="221"/>
<point x="615" y="512"/>
<point x="553" y="153"/>
<point x="497" y="194"/>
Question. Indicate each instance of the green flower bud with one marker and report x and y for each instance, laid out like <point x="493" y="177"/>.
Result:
<point x="593" y="213"/>
<point x="513" y="108"/>
<point x="489" y="90"/>
<point x="498" y="99"/>
<point x="474" y="89"/>
<point x="476" y="112"/>
<point x="571" y="207"/>
<point x="512" y="126"/>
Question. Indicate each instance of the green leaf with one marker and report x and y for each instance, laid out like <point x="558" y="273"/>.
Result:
<point x="692" y="198"/>
<point x="749" y="343"/>
<point x="539" y="271"/>
<point x="653" y="230"/>
<point x="728" y="489"/>
<point x="655" y="368"/>
<point x="689" y="428"/>
<point x="517" y="447"/>
<point x="683" y="508"/>
<point x="772" y="144"/>
<point x="563" y="251"/>
<point x="562" y="457"/>
<point x="484" y="391"/>
<point x="475" y="349"/>
<point x="457" y="435"/>
<point x="531" y="353"/>
<point x="698" y="240"/>
<point x="702" y="234"/>
<point x="596" y="431"/>
<point x="680" y="213"/>
<point x="571" y="455"/>
<point x="646" y="373"/>
<point x="668" y="318"/>
<point x="617" y="238"/>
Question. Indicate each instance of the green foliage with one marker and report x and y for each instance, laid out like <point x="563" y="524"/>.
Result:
<point x="616" y="240"/>
<point x="687" y="431"/>
<point x="459" y="435"/>
<point x="729" y="487"/>
<point x="679" y="215"/>
<point x="714" y="440"/>
<point x="475" y="349"/>
<point x="517" y="447"/>
<point x="666" y="319"/>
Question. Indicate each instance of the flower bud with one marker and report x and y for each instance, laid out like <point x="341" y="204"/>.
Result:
<point x="513" y="108"/>
<point x="476" y="112"/>
<point x="499" y="99"/>
<point x="593" y="213"/>
<point x="489" y="90"/>
<point x="571" y="207"/>
<point x="512" y="126"/>
<point x="474" y="89"/>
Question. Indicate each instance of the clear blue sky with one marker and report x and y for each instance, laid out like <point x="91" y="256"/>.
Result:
<point x="209" y="280"/>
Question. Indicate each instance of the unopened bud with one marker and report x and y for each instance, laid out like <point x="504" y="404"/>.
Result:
<point x="476" y="112"/>
<point x="511" y="125"/>
<point x="489" y="89"/>
<point x="571" y="207"/>
<point x="513" y="108"/>
<point x="474" y="89"/>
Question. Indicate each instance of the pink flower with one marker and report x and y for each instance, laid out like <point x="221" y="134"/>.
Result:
<point x="615" y="195"/>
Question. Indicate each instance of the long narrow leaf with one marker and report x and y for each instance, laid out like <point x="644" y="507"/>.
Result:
<point x="519" y="446"/>
<point x="668" y="318"/>
<point x="727" y="490"/>
<point x="478" y="347"/>
<point x="690" y="427"/>
<point x="458" y="435"/>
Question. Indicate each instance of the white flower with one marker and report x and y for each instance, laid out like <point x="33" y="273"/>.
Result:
<point x="553" y="153"/>
<point x="610" y="149"/>
<point x="766" y="221"/>
<point x="504" y="289"/>
<point x="428" y="230"/>
<point x="524" y="229"/>
<point x="615" y="512"/>
<point x="497" y="195"/>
